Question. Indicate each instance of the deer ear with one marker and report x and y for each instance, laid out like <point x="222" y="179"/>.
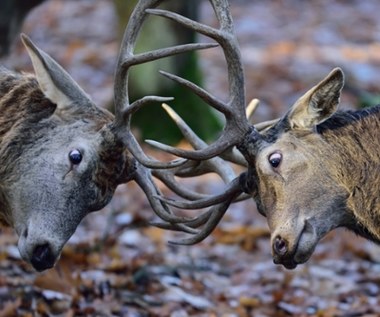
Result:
<point x="319" y="103"/>
<point x="54" y="81"/>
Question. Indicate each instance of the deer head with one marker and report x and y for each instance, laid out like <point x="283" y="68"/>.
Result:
<point x="62" y="156"/>
<point x="290" y="178"/>
<point x="63" y="160"/>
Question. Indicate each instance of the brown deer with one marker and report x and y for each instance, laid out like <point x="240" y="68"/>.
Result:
<point x="313" y="170"/>
<point x="62" y="156"/>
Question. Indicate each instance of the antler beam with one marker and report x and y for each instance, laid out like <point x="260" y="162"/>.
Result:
<point x="204" y="158"/>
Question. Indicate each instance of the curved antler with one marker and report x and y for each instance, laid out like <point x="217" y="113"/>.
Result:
<point x="218" y="203"/>
<point x="205" y="158"/>
<point x="127" y="59"/>
<point x="234" y="109"/>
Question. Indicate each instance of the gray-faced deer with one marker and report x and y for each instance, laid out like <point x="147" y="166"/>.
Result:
<point x="62" y="156"/>
<point x="313" y="170"/>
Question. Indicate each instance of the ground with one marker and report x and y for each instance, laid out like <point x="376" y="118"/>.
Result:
<point x="118" y="265"/>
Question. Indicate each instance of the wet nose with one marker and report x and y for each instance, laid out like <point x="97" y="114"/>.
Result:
<point x="42" y="257"/>
<point x="280" y="246"/>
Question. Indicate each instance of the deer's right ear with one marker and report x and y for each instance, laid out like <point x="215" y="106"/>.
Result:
<point x="318" y="104"/>
<point x="54" y="81"/>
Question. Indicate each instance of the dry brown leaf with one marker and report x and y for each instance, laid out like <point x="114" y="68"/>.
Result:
<point x="249" y="302"/>
<point x="58" y="279"/>
<point x="9" y="308"/>
<point x="246" y="236"/>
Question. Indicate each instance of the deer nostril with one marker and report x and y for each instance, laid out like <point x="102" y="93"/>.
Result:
<point x="42" y="258"/>
<point x="280" y="246"/>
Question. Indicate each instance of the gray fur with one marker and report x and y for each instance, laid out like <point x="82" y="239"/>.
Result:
<point x="43" y="195"/>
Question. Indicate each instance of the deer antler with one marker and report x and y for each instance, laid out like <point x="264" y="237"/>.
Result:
<point x="127" y="59"/>
<point x="205" y="158"/>
<point x="219" y="203"/>
<point x="124" y="109"/>
<point x="208" y="158"/>
<point x="234" y="109"/>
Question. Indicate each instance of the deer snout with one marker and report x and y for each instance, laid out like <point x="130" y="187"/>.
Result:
<point x="38" y="250"/>
<point x="294" y="243"/>
<point x="42" y="257"/>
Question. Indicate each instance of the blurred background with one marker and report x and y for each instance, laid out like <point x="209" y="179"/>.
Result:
<point x="118" y="265"/>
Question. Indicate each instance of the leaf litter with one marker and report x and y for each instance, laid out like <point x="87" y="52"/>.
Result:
<point x="118" y="265"/>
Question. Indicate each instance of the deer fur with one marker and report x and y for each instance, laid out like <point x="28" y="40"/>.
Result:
<point x="328" y="176"/>
<point x="43" y="195"/>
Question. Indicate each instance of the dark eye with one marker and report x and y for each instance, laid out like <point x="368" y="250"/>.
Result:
<point x="75" y="157"/>
<point x="275" y="159"/>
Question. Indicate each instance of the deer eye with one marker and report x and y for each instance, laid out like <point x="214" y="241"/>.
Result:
<point x="275" y="159"/>
<point x="75" y="157"/>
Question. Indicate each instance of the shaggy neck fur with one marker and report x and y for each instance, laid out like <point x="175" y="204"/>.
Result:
<point x="354" y="139"/>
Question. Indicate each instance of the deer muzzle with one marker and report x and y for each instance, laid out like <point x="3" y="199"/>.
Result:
<point x="41" y="244"/>
<point x="294" y="243"/>
<point x="41" y="252"/>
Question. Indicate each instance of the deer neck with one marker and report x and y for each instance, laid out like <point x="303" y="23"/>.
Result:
<point x="354" y="139"/>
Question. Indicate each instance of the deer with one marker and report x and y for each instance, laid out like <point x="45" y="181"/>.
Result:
<point x="311" y="171"/>
<point x="63" y="157"/>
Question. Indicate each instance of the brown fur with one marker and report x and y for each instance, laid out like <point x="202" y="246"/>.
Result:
<point x="355" y="148"/>
<point x="328" y="175"/>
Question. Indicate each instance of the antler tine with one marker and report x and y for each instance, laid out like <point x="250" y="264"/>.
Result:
<point x="234" y="110"/>
<point x="215" y="214"/>
<point x="196" y="223"/>
<point x="251" y="108"/>
<point x="266" y="125"/>
<point x="208" y="220"/>
<point x="162" y="211"/>
<point x="169" y="180"/>
<point x="231" y="189"/>
<point x="143" y="178"/>
<point x="191" y="168"/>
<point x="234" y="156"/>
<point x="215" y="164"/>
<point x="195" y="168"/>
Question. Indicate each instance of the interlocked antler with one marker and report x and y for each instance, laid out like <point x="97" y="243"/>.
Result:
<point x="218" y="203"/>
<point x="237" y="124"/>
<point x="124" y="109"/>
<point x="204" y="158"/>
<point x="127" y="59"/>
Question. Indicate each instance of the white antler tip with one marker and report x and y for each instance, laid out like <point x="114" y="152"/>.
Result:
<point x="251" y="108"/>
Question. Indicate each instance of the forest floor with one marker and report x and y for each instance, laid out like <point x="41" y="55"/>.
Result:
<point x="116" y="264"/>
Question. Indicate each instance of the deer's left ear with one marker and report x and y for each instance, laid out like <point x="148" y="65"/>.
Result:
<point x="55" y="82"/>
<point x="318" y="104"/>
